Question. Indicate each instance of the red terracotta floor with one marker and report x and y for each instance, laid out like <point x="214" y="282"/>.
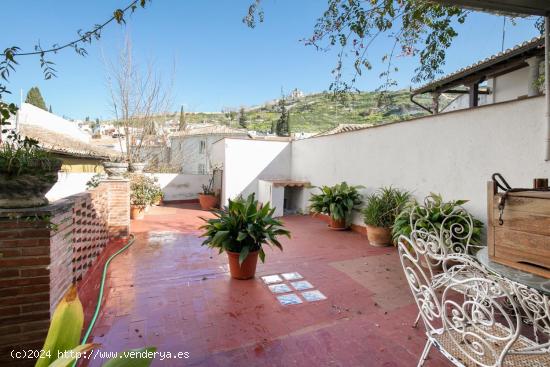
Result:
<point x="168" y="291"/>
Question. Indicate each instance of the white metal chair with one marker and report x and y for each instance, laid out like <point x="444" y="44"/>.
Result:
<point x="467" y="323"/>
<point x="451" y="227"/>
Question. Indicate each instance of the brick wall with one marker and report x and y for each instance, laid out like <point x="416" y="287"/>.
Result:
<point x="43" y="250"/>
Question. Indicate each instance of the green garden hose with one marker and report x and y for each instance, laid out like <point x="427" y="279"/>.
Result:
<point x="101" y="287"/>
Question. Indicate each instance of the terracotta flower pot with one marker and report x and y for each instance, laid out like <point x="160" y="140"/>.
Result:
<point x="247" y="269"/>
<point x="338" y="225"/>
<point x="208" y="201"/>
<point x="137" y="212"/>
<point x="379" y="236"/>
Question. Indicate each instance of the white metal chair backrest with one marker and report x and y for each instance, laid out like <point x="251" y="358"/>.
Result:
<point x="536" y="306"/>
<point x="451" y="224"/>
<point x="465" y="312"/>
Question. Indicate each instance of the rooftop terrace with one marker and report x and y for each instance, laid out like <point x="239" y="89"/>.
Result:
<point x="168" y="291"/>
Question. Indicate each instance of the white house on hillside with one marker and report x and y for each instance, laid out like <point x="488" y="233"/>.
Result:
<point x="191" y="148"/>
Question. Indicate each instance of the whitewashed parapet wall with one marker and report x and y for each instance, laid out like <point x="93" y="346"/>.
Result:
<point x="174" y="186"/>
<point x="246" y="161"/>
<point x="453" y="154"/>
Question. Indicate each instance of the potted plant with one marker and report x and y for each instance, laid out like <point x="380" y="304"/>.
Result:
<point x="115" y="167"/>
<point x="435" y="213"/>
<point x="207" y="198"/>
<point x="240" y="229"/>
<point x="158" y="196"/>
<point x="27" y="172"/>
<point x="337" y="202"/>
<point x="381" y="209"/>
<point x="142" y="189"/>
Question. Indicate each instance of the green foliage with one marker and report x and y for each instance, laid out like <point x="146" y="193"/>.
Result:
<point x="243" y="227"/>
<point x="383" y="206"/>
<point x="408" y="27"/>
<point x="337" y="201"/>
<point x="94" y="181"/>
<point x="318" y="112"/>
<point x="243" y="122"/>
<point x="144" y="190"/>
<point x="182" y="122"/>
<point x="281" y="127"/>
<point x="19" y="156"/>
<point x="34" y="97"/>
<point x="430" y="216"/>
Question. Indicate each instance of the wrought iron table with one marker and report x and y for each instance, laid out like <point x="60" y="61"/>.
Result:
<point x="539" y="283"/>
<point x="531" y="291"/>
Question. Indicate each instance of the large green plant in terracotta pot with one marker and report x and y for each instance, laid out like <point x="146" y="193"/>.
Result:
<point x="241" y="229"/>
<point x="338" y="202"/>
<point x="27" y="172"/>
<point x="379" y="213"/>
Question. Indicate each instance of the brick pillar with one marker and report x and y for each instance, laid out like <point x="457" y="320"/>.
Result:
<point x="35" y="270"/>
<point x="43" y="250"/>
<point x="118" y="206"/>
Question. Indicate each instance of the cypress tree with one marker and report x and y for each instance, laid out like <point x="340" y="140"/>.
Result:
<point x="183" y="123"/>
<point x="34" y="97"/>
<point x="242" y="119"/>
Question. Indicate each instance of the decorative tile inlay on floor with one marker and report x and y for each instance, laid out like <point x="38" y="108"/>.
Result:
<point x="270" y="279"/>
<point x="283" y="283"/>
<point x="280" y="288"/>
<point x="289" y="299"/>
<point x="302" y="285"/>
<point x="312" y="296"/>
<point x="292" y="276"/>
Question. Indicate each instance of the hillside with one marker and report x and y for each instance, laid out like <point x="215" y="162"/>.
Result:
<point x="318" y="112"/>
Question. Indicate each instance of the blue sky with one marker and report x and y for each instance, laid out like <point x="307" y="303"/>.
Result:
<point x="219" y="61"/>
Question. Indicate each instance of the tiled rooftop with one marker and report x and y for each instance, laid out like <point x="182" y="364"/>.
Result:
<point x="168" y="291"/>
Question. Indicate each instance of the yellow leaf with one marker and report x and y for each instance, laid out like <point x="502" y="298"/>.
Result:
<point x="65" y="328"/>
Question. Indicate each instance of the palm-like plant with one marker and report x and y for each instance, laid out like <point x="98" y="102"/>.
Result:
<point x="383" y="206"/>
<point x="243" y="227"/>
<point x="337" y="201"/>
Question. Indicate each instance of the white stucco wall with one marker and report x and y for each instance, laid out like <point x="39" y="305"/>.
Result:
<point x="180" y="186"/>
<point x="175" y="186"/>
<point x="247" y="161"/>
<point x="510" y="86"/>
<point x="453" y="154"/>
<point x="68" y="184"/>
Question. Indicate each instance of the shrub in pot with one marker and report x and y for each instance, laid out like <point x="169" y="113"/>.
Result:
<point x="337" y="202"/>
<point x="207" y="198"/>
<point x="142" y="194"/>
<point x="27" y="172"/>
<point x="381" y="209"/>
<point x="435" y="213"/>
<point x="241" y="229"/>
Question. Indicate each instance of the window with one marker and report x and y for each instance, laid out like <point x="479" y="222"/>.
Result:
<point x="202" y="169"/>
<point x="202" y="147"/>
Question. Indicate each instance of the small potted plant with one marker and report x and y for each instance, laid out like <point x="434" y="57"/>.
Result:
<point x="27" y="172"/>
<point x="142" y="189"/>
<point x="381" y="209"/>
<point x="338" y="202"/>
<point x="435" y="213"/>
<point x="115" y="167"/>
<point x="207" y="198"/>
<point x="240" y="229"/>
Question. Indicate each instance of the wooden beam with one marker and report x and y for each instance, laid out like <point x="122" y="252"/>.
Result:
<point x="474" y="94"/>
